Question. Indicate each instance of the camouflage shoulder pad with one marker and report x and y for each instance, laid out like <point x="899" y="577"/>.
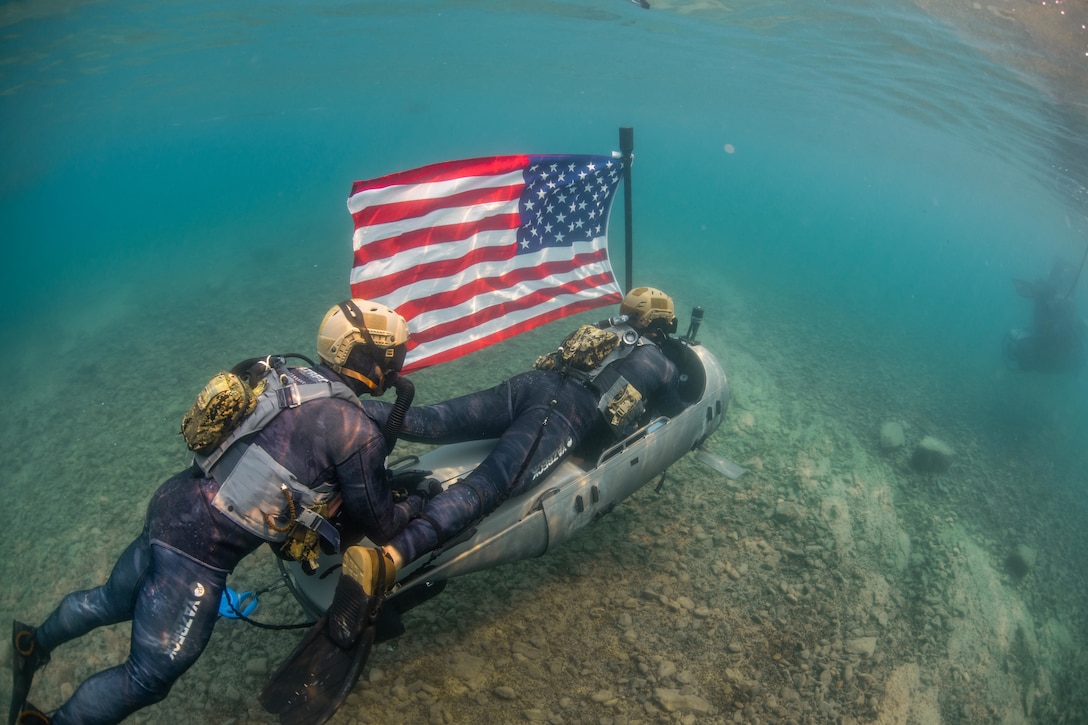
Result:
<point x="586" y="347"/>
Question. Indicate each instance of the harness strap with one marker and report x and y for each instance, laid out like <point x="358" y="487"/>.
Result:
<point x="625" y="348"/>
<point x="324" y="528"/>
<point x="272" y="401"/>
<point x="254" y="488"/>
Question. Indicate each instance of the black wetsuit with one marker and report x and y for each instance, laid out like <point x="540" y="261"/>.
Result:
<point x="170" y="579"/>
<point x="514" y="411"/>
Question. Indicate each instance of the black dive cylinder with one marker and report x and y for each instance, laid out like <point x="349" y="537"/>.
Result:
<point x="406" y="391"/>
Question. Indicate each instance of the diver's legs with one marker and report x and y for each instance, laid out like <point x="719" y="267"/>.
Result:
<point x="476" y="416"/>
<point x="175" y="610"/>
<point x="450" y="512"/>
<point x="77" y="614"/>
<point x="80" y="612"/>
<point x="528" y="450"/>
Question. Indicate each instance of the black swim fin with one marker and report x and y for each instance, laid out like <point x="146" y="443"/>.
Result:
<point x="326" y="664"/>
<point x="27" y="657"/>
<point x="317" y="677"/>
<point x="33" y="716"/>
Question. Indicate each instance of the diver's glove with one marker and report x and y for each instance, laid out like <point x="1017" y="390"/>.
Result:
<point x="413" y="482"/>
<point x="428" y="488"/>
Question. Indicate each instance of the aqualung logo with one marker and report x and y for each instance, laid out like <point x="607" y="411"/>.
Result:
<point x="305" y="375"/>
<point x="185" y="621"/>
<point x="551" y="460"/>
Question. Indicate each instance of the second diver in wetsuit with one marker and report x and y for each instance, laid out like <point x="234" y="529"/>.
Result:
<point x="1054" y="343"/>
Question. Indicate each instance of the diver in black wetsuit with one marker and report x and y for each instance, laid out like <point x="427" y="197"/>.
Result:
<point x="325" y="450"/>
<point x="539" y="417"/>
<point x="1055" y="341"/>
<point x="598" y="379"/>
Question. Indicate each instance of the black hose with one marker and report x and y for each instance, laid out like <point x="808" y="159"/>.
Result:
<point x="536" y="443"/>
<point x="300" y="356"/>
<point x="285" y="581"/>
<point x="406" y="391"/>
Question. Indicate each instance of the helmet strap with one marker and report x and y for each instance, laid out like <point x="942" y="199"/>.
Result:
<point x="374" y="388"/>
<point x="353" y="313"/>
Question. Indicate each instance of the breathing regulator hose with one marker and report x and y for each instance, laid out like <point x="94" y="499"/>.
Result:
<point x="406" y="391"/>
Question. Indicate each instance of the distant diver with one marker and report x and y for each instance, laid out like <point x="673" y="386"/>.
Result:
<point x="1055" y="341"/>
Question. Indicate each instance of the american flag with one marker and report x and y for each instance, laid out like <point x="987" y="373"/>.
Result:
<point x="476" y="251"/>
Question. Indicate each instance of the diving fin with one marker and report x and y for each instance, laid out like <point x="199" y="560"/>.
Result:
<point x="31" y="715"/>
<point x="316" y="678"/>
<point x="722" y="465"/>
<point x="27" y="657"/>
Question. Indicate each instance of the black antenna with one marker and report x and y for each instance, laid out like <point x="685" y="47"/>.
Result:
<point x="627" y="146"/>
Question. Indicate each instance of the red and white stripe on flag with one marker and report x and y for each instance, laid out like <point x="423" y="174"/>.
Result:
<point x="476" y="251"/>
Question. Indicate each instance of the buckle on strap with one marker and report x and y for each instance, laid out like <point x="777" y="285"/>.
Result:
<point x="322" y="526"/>
<point x="288" y="397"/>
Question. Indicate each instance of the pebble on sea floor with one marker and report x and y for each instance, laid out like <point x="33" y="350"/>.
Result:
<point x="891" y="436"/>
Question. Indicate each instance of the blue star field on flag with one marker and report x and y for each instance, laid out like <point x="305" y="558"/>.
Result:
<point x="566" y="200"/>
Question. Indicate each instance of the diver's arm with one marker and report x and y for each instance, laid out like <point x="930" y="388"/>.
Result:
<point x="656" y="377"/>
<point x="666" y="399"/>
<point x="422" y="424"/>
<point x="366" y="493"/>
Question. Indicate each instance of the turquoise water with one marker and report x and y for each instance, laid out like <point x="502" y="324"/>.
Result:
<point x="868" y="177"/>
<point x="883" y="163"/>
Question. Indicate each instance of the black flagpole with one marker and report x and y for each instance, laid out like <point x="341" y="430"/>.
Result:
<point x="627" y="146"/>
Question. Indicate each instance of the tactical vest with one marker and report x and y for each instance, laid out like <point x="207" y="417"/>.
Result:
<point x="579" y="356"/>
<point x="255" y="490"/>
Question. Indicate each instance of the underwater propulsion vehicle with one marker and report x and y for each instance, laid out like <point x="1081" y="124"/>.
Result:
<point x="583" y="488"/>
<point x="519" y="203"/>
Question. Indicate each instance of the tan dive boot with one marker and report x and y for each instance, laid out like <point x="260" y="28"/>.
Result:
<point x="366" y="576"/>
<point x="373" y="569"/>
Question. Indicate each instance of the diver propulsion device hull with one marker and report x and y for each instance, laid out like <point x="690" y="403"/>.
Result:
<point x="575" y="494"/>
